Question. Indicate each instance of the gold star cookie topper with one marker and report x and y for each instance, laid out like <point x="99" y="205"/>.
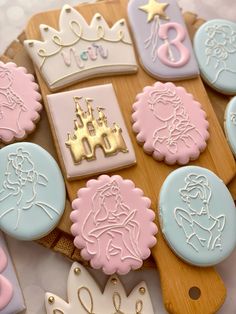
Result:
<point x="153" y="8"/>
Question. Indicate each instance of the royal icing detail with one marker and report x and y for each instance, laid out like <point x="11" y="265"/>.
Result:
<point x="28" y="208"/>
<point x="19" y="102"/>
<point x="85" y="296"/>
<point x="113" y="225"/>
<point x="79" y="51"/>
<point x="199" y="221"/>
<point x="215" y="50"/>
<point x="162" y="39"/>
<point x="90" y="131"/>
<point x="230" y="124"/>
<point x="169" y="123"/>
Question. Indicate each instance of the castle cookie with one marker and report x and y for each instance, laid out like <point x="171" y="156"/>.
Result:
<point x="113" y="224"/>
<point x="79" y="51"/>
<point x="170" y="124"/>
<point x="85" y="296"/>
<point x="198" y="220"/>
<point x="162" y="39"/>
<point x="32" y="191"/>
<point x="19" y="102"/>
<point x="90" y="131"/>
<point x="215" y="49"/>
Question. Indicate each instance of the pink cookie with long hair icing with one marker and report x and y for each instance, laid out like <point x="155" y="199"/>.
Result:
<point x="170" y="124"/>
<point x="113" y="224"/>
<point x="19" y="102"/>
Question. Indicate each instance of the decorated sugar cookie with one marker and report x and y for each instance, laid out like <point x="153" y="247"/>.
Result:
<point x="230" y="124"/>
<point x="11" y="299"/>
<point x="113" y="224"/>
<point x="215" y="49"/>
<point x="19" y="102"/>
<point x="199" y="219"/>
<point x="85" y="296"/>
<point x="79" y="51"/>
<point x="90" y="131"/>
<point x="32" y="191"/>
<point x="169" y="123"/>
<point x="162" y="39"/>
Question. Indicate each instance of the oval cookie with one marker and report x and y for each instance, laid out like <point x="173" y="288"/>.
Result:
<point x="215" y="49"/>
<point x="230" y="124"/>
<point x="19" y="102"/>
<point x="169" y="123"/>
<point x="32" y="191"/>
<point x="199" y="219"/>
<point x="113" y="224"/>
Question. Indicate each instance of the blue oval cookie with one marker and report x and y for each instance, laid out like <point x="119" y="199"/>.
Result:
<point x="198" y="216"/>
<point x="32" y="191"/>
<point x="230" y="124"/>
<point x="215" y="49"/>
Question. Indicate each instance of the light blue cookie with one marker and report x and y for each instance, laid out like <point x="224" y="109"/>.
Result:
<point x="32" y="191"/>
<point x="230" y="124"/>
<point x="215" y="49"/>
<point x="198" y="216"/>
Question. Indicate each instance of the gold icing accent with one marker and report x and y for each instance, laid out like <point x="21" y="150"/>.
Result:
<point x="87" y="307"/>
<point x="77" y="271"/>
<point x="51" y="300"/>
<point x="91" y="133"/>
<point x="45" y="28"/>
<point x="138" y="307"/>
<point x="154" y="8"/>
<point x="68" y="10"/>
<point x="142" y="290"/>
<point x="31" y="44"/>
<point x="114" y="281"/>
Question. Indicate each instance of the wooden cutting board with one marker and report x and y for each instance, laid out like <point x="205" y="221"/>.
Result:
<point x="177" y="278"/>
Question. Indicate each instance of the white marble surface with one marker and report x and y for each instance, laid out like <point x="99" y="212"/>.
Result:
<point x="41" y="270"/>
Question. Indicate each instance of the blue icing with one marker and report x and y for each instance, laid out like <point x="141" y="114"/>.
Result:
<point x="199" y="219"/>
<point x="32" y="191"/>
<point x="215" y="49"/>
<point x="230" y="124"/>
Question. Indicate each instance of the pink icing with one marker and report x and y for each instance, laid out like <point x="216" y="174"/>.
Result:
<point x="6" y="289"/>
<point x="170" y="124"/>
<point x="164" y="50"/>
<point x="113" y="225"/>
<point x="19" y="102"/>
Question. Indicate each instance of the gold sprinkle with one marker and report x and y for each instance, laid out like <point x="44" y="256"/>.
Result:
<point x="142" y="290"/>
<point x="114" y="281"/>
<point x="122" y="22"/>
<point x="98" y="17"/>
<point x="68" y="10"/>
<point x="77" y="270"/>
<point x="46" y="29"/>
<point x="51" y="300"/>
<point x="31" y="44"/>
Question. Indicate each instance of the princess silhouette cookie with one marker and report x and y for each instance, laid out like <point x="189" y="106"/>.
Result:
<point x="32" y="192"/>
<point x="199" y="220"/>
<point x="113" y="224"/>
<point x="19" y="102"/>
<point x="170" y="124"/>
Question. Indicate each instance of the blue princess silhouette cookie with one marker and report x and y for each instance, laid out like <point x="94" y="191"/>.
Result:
<point x="199" y="219"/>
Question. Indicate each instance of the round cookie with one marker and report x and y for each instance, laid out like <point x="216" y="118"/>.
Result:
<point x="32" y="191"/>
<point x="170" y="124"/>
<point x="113" y="224"/>
<point x="199" y="219"/>
<point x="215" y="49"/>
<point x="19" y="102"/>
<point x="230" y="124"/>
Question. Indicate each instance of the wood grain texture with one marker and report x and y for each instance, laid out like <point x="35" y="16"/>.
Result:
<point x="176" y="276"/>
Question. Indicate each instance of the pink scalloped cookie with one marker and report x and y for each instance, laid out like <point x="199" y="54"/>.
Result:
<point x="170" y="124"/>
<point x="113" y="224"/>
<point x="19" y="102"/>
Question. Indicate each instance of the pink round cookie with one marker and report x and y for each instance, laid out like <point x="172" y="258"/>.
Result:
<point x="113" y="224"/>
<point x="19" y="102"/>
<point x="170" y="124"/>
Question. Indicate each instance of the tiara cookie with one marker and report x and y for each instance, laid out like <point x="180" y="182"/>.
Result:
<point x="85" y="296"/>
<point x="90" y="131"/>
<point x="199" y="219"/>
<point x="79" y="51"/>
<point x="113" y="224"/>
<point x="19" y="102"/>
<point x="32" y="191"/>
<point x="169" y="123"/>
<point x="162" y="39"/>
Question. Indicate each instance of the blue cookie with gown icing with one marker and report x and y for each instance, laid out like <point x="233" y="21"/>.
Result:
<point x="230" y="124"/>
<point x="215" y="49"/>
<point x="32" y="191"/>
<point x="197" y="216"/>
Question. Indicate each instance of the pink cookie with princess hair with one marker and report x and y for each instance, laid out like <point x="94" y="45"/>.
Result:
<point x="170" y="124"/>
<point x="19" y="102"/>
<point x="113" y="224"/>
